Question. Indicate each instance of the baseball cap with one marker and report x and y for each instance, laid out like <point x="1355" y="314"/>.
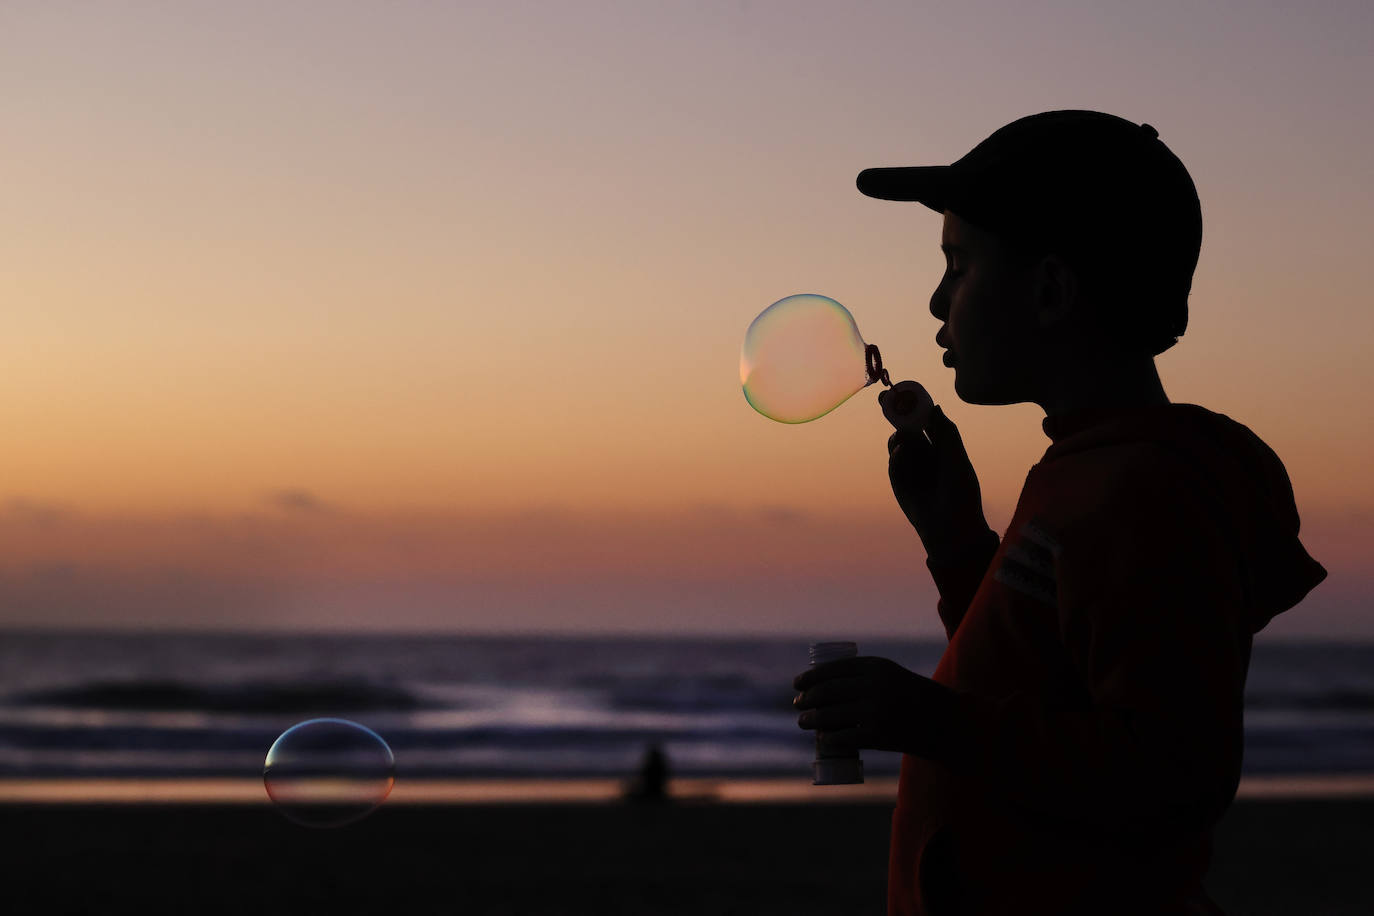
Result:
<point x="1104" y="193"/>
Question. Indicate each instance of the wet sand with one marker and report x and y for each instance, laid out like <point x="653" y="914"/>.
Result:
<point x="1296" y="857"/>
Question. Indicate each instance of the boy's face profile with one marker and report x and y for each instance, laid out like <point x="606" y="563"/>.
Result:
<point x="987" y="299"/>
<point x="1019" y="330"/>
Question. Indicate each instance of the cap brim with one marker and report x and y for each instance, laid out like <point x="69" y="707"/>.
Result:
<point x="926" y="184"/>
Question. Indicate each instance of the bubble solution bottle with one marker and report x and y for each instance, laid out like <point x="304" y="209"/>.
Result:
<point x="834" y="766"/>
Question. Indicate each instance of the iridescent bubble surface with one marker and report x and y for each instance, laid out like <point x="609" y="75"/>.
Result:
<point x="802" y="358"/>
<point x="328" y="772"/>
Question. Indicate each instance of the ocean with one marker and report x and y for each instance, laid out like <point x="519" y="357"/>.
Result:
<point x="165" y="705"/>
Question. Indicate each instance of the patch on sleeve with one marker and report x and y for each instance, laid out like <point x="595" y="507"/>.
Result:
<point x="1028" y="564"/>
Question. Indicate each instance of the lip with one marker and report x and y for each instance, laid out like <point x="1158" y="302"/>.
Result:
<point x="949" y="357"/>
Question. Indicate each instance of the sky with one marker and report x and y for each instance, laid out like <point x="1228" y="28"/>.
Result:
<point x="418" y="316"/>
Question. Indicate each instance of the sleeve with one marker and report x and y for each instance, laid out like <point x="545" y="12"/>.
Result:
<point x="1150" y="613"/>
<point x="957" y="580"/>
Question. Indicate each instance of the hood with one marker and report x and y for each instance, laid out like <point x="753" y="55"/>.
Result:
<point x="1249" y="485"/>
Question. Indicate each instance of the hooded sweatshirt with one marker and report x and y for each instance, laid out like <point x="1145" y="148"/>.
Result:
<point x="1094" y="680"/>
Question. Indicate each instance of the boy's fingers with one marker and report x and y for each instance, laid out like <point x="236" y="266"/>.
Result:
<point x="855" y="737"/>
<point x="830" y="718"/>
<point x="905" y="437"/>
<point x="910" y="458"/>
<point x="832" y="691"/>
<point x="823" y="672"/>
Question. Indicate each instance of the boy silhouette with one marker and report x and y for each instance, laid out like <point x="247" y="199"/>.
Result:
<point x="1081" y="734"/>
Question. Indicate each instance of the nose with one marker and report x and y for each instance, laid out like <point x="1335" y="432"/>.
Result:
<point x="939" y="304"/>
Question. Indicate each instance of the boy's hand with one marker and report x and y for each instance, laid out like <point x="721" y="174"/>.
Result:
<point x="937" y="487"/>
<point x="869" y="702"/>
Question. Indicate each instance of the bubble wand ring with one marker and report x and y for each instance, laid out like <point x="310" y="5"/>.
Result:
<point x="873" y="362"/>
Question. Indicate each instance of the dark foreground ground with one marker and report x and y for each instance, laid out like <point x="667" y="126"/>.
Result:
<point x="1301" y="858"/>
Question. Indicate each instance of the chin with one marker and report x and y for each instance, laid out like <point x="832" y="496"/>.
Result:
<point x="970" y="392"/>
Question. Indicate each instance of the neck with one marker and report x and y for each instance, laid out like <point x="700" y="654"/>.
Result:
<point x="1110" y="382"/>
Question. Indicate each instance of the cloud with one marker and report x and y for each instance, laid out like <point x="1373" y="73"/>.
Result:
<point x="25" y="511"/>
<point x="773" y="514"/>
<point x="68" y="595"/>
<point x="296" y="499"/>
<point x="783" y="515"/>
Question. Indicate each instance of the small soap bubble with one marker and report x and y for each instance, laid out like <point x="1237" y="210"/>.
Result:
<point x="802" y="358"/>
<point x="328" y="772"/>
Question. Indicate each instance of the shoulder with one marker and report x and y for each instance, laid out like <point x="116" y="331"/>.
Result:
<point x="1149" y="501"/>
<point x="1153" y="478"/>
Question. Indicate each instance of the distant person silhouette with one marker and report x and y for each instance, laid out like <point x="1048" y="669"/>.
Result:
<point x="650" y="782"/>
<point x="1081" y="734"/>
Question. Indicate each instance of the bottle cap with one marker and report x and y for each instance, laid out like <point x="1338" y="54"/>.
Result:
<point x="837" y="771"/>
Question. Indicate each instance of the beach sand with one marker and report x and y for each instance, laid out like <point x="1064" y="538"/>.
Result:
<point x="1295" y="857"/>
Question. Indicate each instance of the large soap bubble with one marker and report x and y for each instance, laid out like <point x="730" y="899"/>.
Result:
<point x="328" y="772"/>
<point x="802" y="358"/>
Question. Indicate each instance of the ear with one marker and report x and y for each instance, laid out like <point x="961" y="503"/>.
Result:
<point x="1056" y="290"/>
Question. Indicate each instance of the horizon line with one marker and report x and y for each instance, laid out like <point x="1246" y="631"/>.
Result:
<point x="561" y="635"/>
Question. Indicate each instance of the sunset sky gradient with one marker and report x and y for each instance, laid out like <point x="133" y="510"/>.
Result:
<point x="428" y="316"/>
